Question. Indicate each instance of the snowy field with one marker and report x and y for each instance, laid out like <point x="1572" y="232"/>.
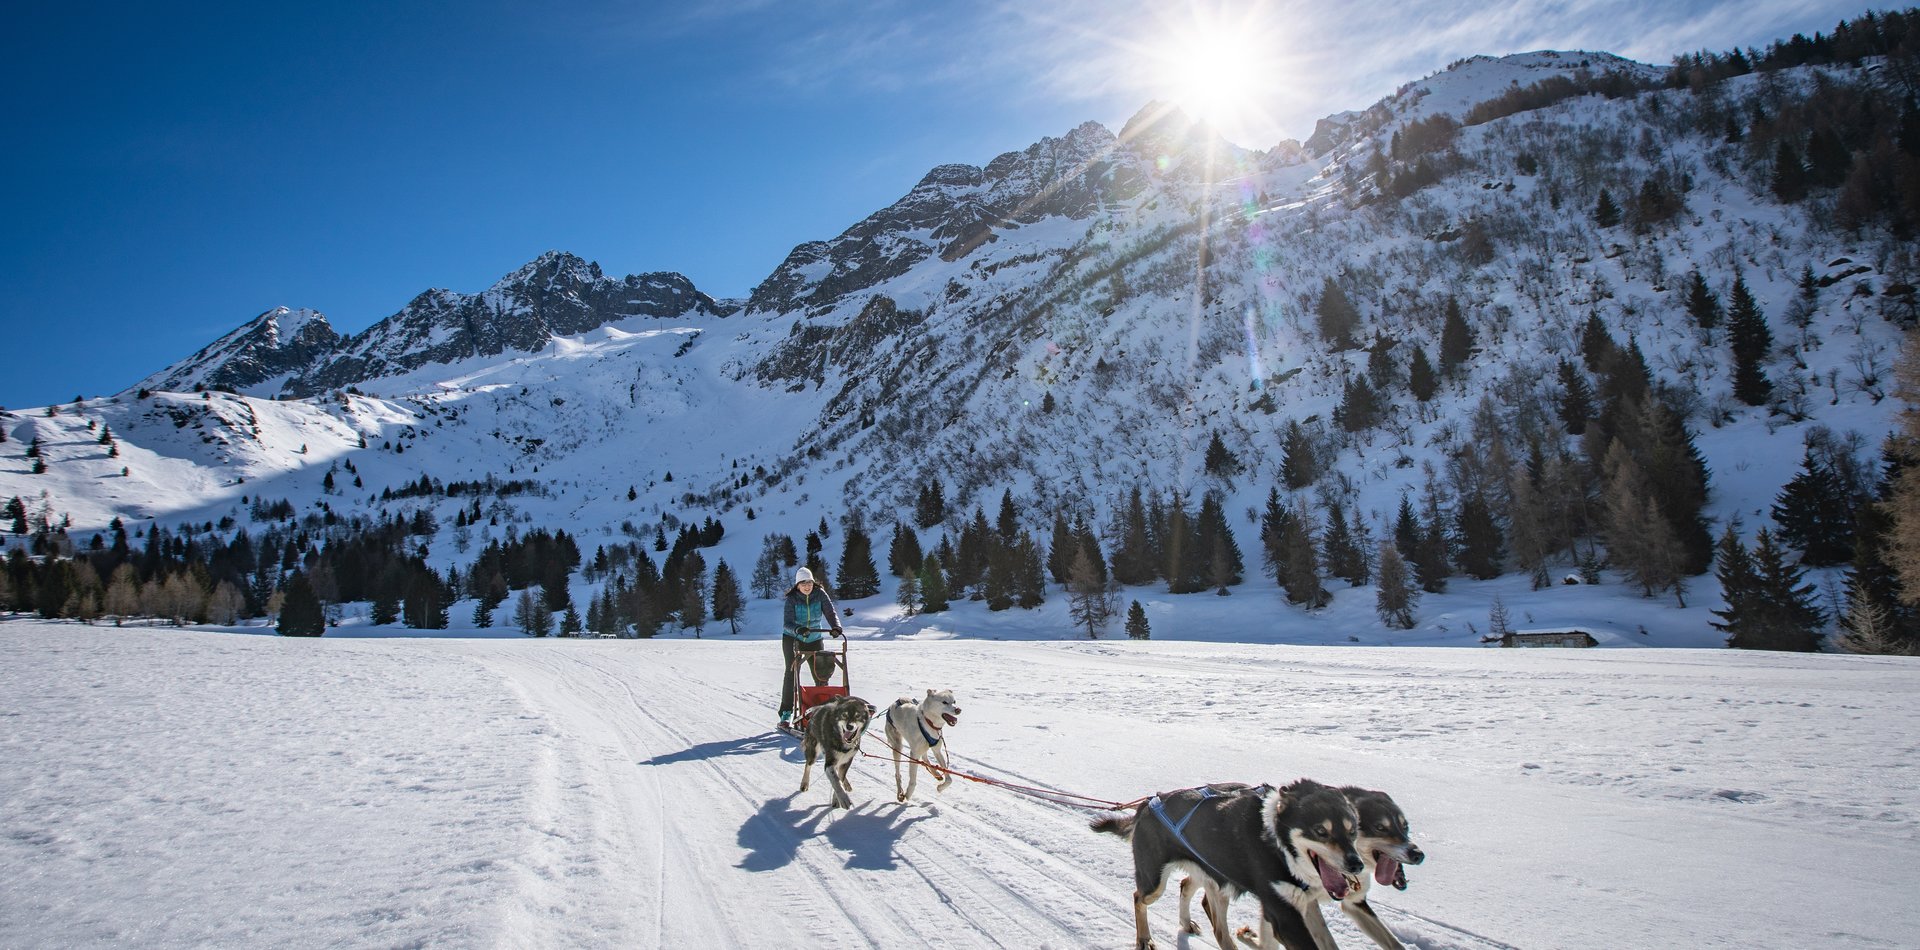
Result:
<point x="166" y="788"/>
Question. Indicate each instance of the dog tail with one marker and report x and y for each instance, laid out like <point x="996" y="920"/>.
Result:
<point x="1119" y="825"/>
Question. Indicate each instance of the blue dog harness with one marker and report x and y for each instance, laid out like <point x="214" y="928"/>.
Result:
<point x="1159" y="810"/>
<point x="932" y="740"/>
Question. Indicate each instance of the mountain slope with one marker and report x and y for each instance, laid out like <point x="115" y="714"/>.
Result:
<point x="1082" y="317"/>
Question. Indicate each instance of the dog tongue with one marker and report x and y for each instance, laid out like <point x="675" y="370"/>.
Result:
<point x="1331" y="879"/>
<point x="1386" y="870"/>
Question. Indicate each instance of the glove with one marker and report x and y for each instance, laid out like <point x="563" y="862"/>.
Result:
<point x="839" y="633"/>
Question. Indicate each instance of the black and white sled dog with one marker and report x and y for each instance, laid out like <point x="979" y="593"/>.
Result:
<point x="1290" y="848"/>
<point x="915" y="730"/>
<point x="1385" y="843"/>
<point x="833" y="734"/>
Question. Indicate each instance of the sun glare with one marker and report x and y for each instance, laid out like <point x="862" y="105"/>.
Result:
<point x="1215" y="75"/>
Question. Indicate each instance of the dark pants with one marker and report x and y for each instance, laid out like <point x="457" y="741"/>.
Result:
<point x="821" y="663"/>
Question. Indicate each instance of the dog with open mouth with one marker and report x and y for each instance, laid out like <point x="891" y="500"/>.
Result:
<point x="1386" y="846"/>
<point x="916" y="731"/>
<point x="833" y="733"/>
<point x="1290" y="848"/>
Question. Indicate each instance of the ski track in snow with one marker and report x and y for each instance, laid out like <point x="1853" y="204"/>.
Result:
<point x="180" y="788"/>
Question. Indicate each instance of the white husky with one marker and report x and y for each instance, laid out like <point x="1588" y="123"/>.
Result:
<point x="914" y="730"/>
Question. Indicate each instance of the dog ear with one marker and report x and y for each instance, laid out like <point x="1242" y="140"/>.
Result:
<point x="871" y="712"/>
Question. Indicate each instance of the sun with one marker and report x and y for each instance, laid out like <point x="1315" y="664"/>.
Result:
<point x="1214" y="73"/>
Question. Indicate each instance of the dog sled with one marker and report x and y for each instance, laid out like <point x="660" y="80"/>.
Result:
<point x="807" y="698"/>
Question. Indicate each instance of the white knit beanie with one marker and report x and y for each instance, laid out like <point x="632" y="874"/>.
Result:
<point x="803" y="575"/>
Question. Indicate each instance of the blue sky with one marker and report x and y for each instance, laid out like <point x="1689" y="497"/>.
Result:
<point x="173" y="170"/>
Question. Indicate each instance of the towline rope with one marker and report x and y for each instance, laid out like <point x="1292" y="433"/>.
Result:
<point x="1054" y="796"/>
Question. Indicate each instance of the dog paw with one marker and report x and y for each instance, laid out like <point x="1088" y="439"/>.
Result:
<point x="1192" y="928"/>
<point x="1247" y="934"/>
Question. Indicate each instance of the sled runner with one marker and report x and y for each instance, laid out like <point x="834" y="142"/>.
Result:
<point x="808" y="697"/>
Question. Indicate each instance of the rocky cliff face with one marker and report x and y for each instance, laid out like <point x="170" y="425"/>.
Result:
<point x="952" y="212"/>
<point x="557" y="294"/>
<point x="255" y="359"/>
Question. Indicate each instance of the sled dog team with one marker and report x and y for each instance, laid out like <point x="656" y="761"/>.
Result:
<point x="915" y="731"/>
<point x="1291" y="848"/>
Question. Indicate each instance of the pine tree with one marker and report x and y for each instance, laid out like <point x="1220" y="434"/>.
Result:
<point x="907" y="595"/>
<point x="1220" y="462"/>
<point x="1137" y="628"/>
<point x="1480" y="540"/>
<point x="1597" y="346"/>
<point x="1302" y="577"/>
<point x="930" y="508"/>
<point x="1007" y="525"/>
<point x="903" y="552"/>
<point x="1298" y="467"/>
<point x="531" y="616"/>
<point x="1359" y="408"/>
<point x="1030" y="573"/>
<point x="1456" y="341"/>
<point x="727" y="598"/>
<point x="858" y="575"/>
<point x="1421" y="379"/>
<point x="1605" y="212"/>
<point x="1396" y="595"/>
<point x="1060" y="552"/>
<point x="1780" y="612"/>
<point x="1213" y="538"/>
<point x="1345" y="559"/>
<point x="1381" y="371"/>
<point x="301" y="614"/>
<point x="1679" y="481"/>
<point x="1789" y="175"/>
<point x="1338" y="320"/>
<point x="933" y="586"/>
<point x="570" y="625"/>
<point x="1752" y="341"/>
<point x="482" y="615"/>
<point x="1815" y="516"/>
<point x="1432" y="560"/>
<point x="1702" y="304"/>
<point x="1134" y="562"/>
<point x="1185" y="565"/>
<point x="1576" y="399"/>
<point x="1274" y="524"/>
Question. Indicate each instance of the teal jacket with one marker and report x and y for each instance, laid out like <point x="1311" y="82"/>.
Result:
<point x="805" y="613"/>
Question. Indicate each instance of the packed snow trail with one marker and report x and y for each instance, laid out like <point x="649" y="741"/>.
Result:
<point x="177" y="788"/>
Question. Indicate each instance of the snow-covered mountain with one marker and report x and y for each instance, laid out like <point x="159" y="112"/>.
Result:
<point x="1072" y="319"/>
<point x="260" y="357"/>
